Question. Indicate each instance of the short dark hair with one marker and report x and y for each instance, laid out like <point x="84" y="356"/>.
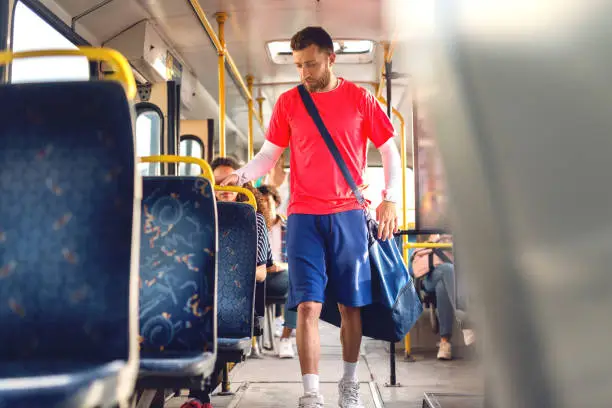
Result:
<point x="268" y="190"/>
<point x="312" y="36"/>
<point x="225" y="161"/>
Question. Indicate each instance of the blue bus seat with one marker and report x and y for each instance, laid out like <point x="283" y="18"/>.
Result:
<point x="237" y="261"/>
<point x="178" y="273"/>
<point x="68" y="273"/>
<point x="228" y="345"/>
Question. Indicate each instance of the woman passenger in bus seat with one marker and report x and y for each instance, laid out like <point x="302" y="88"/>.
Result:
<point x="441" y="281"/>
<point x="277" y="283"/>
<point x="223" y="166"/>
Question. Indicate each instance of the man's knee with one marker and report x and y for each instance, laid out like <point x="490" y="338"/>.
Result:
<point x="309" y="311"/>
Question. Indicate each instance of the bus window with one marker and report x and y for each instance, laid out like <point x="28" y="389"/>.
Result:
<point x="31" y="32"/>
<point x="190" y="146"/>
<point x="148" y="140"/>
<point x="375" y="179"/>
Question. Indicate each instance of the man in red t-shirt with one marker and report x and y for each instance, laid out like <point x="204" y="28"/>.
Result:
<point x="326" y="233"/>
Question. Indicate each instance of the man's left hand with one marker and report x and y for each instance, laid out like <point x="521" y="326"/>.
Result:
<point x="388" y="224"/>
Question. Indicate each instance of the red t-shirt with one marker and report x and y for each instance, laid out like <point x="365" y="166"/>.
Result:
<point x="352" y="115"/>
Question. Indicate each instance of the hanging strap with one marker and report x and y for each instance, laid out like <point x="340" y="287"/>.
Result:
<point x="331" y="145"/>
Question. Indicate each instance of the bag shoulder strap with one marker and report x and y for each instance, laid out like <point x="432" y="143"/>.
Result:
<point x="442" y="255"/>
<point x="329" y="141"/>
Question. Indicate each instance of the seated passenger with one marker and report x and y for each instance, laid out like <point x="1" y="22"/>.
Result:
<point x="278" y="276"/>
<point x="438" y="276"/>
<point x="222" y="167"/>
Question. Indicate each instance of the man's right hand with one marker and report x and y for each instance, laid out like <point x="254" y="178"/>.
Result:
<point x="230" y="180"/>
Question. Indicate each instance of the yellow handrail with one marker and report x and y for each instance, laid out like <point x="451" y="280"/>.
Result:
<point x="199" y="11"/>
<point x="206" y="169"/>
<point x="240" y="190"/>
<point x="221" y="58"/>
<point x="123" y="71"/>
<point x="389" y="48"/>
<point x="250" y="117"/>
<point x="443" y="245"/>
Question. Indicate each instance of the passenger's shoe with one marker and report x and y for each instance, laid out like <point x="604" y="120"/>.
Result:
<point x="194" y="403"/>
<point x="278" y="326"/>
<point x="445" y="351"/>
<point x="311" y="401"/>
<point x="285" y="349"/>
<point x="348" y="394"/>
<point x="468" y="337"/>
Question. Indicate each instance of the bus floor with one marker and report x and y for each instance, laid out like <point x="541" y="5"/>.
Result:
<point x="271" y="382"/>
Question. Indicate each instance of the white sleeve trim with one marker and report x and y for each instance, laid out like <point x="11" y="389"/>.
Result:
<point x="261" y="164"/>
<point x="392" y="167"/>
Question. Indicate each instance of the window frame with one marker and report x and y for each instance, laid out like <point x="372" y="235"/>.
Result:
<point x="144" y="107"/>
<point x="58" y="25"/>
<point x="187" y="137"/>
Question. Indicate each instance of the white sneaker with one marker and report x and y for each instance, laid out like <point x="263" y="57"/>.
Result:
<point x="311" y="401"/>
<point x="445" y="351"/>
<point x="348" y="394"/>
<point x="285" y="349"/>
<point x="278" y="326"/>
<point x="468" y="337"/>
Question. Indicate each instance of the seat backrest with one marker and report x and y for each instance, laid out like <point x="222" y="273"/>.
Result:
<point x="68" y="187"/>
<point x="237" y="261"/>
<point x="178" y="268"/>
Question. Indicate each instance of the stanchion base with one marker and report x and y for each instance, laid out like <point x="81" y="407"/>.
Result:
<point x="409" y="358"/>
<point x="397" y="385"/>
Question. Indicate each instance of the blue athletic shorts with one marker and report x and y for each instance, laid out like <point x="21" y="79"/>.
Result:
<point x="328" y="250"/>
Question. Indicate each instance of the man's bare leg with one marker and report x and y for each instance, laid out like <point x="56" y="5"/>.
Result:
<point x="350" y="337"/>
<point x="308" y="344"/>
<point x="350" y="333"/>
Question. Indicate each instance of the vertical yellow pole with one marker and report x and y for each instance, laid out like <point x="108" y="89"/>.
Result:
<point x="249" y="80"/>
<point x="260" y="102"/>
<point x="404" y="192"/>
<point x="387" y="51"/>
<point x="221" y="18"/>
<point x="407" y="350"/>
<point x="407" y="346"/>
<point x="404" y="165"/>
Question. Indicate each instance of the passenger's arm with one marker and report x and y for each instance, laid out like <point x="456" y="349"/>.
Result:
<point x="386" y="213"/>
<point x="260" y="273"/>
<point x="278" y="267"/>
<point x="264" y="251"/>
<point x="392" y="167"/>
<point x="277" y="139"/>
<point x="261" y="164"/>
<point x="379" y="130"/>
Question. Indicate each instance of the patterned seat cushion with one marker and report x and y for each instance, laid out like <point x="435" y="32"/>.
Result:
<point x="177" y="265"/>
<point x="237" y="255"/>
